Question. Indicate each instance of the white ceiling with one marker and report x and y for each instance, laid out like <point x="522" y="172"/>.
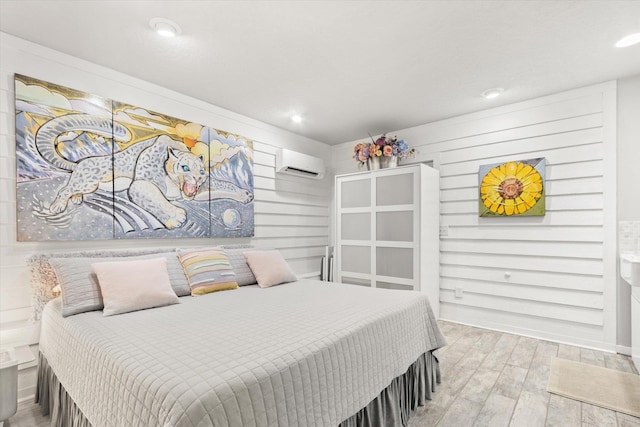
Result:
<point x="348" y="67"/>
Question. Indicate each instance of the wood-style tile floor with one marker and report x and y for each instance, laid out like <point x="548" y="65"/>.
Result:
<point x="488" y="379"/>
<point x="495" y="379"/>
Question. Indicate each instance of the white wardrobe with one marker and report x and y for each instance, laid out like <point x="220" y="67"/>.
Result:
<point x="387" y="229"/>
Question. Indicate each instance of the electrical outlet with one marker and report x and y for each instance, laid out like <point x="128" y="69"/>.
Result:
<point x="444" y="230"/>
<point x="459" y="291"/>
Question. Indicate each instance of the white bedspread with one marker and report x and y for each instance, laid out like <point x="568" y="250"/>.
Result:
<point x="307" y="353"/>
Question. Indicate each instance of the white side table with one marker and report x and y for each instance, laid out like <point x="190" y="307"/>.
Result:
<point x="8" y="383"/>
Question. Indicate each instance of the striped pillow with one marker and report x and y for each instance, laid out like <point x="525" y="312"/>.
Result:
<point x="208" y="270"/>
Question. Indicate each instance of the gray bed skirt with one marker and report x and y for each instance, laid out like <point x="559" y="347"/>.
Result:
<point x="395" y="404"/>
<point x="54" y="400"/>
<point x="392" y="407"/>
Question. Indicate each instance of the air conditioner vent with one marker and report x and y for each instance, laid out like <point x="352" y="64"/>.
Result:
<point x="301" y="171"/>
<point x="299" y="164"/>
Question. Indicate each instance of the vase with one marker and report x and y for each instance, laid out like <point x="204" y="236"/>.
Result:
<point x="388" y="162"/>
<point x="373" y="163"/>
<point x="382" y="162"/>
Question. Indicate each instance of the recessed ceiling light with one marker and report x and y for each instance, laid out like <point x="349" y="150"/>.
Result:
<point x="492" y="93"/>
<point x="629" y="40"/>
<point x="165" y="27"/>
<point x="297" y="118"/>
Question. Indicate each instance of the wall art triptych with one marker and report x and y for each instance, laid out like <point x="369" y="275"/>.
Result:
<point x="93" y="168"/>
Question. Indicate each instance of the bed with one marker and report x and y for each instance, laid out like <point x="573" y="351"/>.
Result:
<point x="306" y="353"/>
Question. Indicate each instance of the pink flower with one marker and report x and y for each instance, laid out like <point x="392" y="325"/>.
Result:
<point x="383" y="146"/>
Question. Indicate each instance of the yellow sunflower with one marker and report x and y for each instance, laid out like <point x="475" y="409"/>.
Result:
<point x="511" y="188"/>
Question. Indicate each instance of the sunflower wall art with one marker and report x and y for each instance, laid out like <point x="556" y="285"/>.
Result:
<point x="514" y="188"/>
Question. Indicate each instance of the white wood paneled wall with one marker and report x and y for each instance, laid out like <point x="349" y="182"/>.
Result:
<point x="291" y="213"/>
<point x="551" y="277"/>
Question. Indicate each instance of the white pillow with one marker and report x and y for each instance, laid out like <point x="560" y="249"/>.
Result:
<point x="269" y="267"/>
<point x="79" y="284"/>
<point x="134" y="285"/>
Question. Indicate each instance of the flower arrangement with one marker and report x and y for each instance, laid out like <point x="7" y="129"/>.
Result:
<point x="386" y="146"/>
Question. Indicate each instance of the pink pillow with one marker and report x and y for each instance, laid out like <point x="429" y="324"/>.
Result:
<point x="270" y="268"/>
<point x="134" y="285"/>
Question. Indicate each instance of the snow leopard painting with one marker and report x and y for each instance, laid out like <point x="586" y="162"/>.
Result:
<point x="92" y="168"/>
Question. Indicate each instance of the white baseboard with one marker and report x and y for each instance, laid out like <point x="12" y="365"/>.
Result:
<point x="28" y="397"/>
<point x="623" y="349"/>
<point x="560" y="339"/>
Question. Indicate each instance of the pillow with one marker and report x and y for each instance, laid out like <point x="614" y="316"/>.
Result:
<point x="44" y="279"/>
<point x="78" y="285"/>
<point x="208" y="270"/>
<point x="134" y="285"/>
<point x="238" y="262"/>
<point x="80" y="288"/>
<point x="270" y="268"/>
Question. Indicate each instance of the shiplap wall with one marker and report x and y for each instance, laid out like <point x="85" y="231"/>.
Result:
<point x="552" y="277"/>
<point x="291" y="213"/>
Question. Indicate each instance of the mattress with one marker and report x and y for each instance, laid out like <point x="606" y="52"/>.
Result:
<point x="307" y="353"/>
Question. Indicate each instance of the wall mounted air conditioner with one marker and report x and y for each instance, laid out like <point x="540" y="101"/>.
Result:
<point x="294" y="163"/>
